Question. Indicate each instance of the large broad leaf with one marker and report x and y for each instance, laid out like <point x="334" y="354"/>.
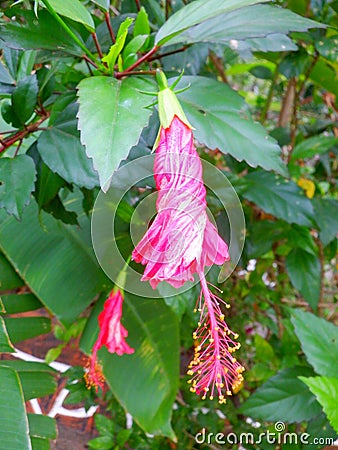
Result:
<point x="279" y="197"/>
<point x="61" y="150"/>
<point x="250" y="22"/>
<point x="23" y="328"/>
<point x="217" y="114"/>
<point x="326" y="211"/>
<point x="326" y="391"/>
<point x="146" y="382"/>
<point x="9" y="278"/>
<point x="112" y="115"/>
<point x="54" y="261"/>
<point x="197" y="12"/>
<point x="17" y="176"/>
<point x="42" y="426"/>
<point x="37" y="380"/>
<point x="305" y="274"/>
<point x="283" y="397"/>
<point x="319" y="341"/>
<point x="13" y="419"/>
<point x="45" y="33"/>
<point x="73" y="9"/>
<point x="20" y="303"/>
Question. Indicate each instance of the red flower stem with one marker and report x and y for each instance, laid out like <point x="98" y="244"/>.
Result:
<point x="110" y="29"/>
<point x="138" y="5"/>
<point x="143" y="58"/>
<point x="20" y="135"/>
<point x="97" y="45"/>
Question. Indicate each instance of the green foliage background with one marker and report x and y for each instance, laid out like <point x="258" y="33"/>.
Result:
<point x="262" y="100"/>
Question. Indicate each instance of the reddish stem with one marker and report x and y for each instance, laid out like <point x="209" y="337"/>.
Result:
<point x="97" y="45"/>
<point x="20" y="135"/>
<point x="145" y="57"/>
<point x="138" y="4"/>
<point x="110" y="29"/>
<point x="173" y="52"/>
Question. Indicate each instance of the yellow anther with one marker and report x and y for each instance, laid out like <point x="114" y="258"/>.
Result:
<point x="221" y="317"/>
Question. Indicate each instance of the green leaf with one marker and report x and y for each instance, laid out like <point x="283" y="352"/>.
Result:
<point x="195" y="13"/>
<point x="104" y="4"/>
<point x="102" y="443"/>
<point x="293" y="64"/>
<point x="24" y="97"/>
<point x="5" y="76"/>
<point x="264" y="351"/>
<point x="313" y="146"/>
<point x="305" y="274"/>
<point x="283" y="397"/>
<point x="9" y="278"/>
<point x="103" y="424"/>
<point x="217" y="113"/>
<point x="53" y="353"/>
<point x="35" y="253"/>
<point x="73" y="9"/>
<point x="61" y="150"/>
<point x="118" y="121"/>
<point x="42" y="426"/>
<point x="279" y="197"/>
<point x="141" y="26"/>
<point x="326" y="391"/>
<point x="13" y="419"/>
<point x="328" y="47"/>
<point x="23" y="328"/>
<point x="325" y="75"/>
<point x="40" y="443"/>
<point x="20" y="303"/>
<point x="17" y="177"/>
<point x="326" y="212"/>
<point x="45" y="33"/>
<point x="233" y="22"/>
<point x="116" y="48"/>
<point x="5" y="343"/>
<point x="319" y="341"/>
<point x="146" y="382"/>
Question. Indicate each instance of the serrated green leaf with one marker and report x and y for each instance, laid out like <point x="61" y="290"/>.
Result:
<point x="5" y="343"/>
<point x="119" y="120"/>
<point x="73" y="9"/>
<point x="45" y="33"/>
<point x="13" y="420"/>
<point x="41" y="426"/>
<point x="305" y="274"/>
<point x="217" y="114"/>
<point x="326" y="212"/>
<point x="312" y="146"/>
<point x="61" y="150"/>
<point x="319" y="341"/>
<point x="152" y="371"/>
<point x="326" y="391"/>
<point x="195" y="13"/>
<point x="35" y="252"/>
<point x="17" y="177"/>
<point x="279" y="197"/>
<point x="283" y="397"/>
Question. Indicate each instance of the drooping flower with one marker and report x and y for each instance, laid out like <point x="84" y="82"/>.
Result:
<point x="112" y="335"/>
<point x="181" y="242"/>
